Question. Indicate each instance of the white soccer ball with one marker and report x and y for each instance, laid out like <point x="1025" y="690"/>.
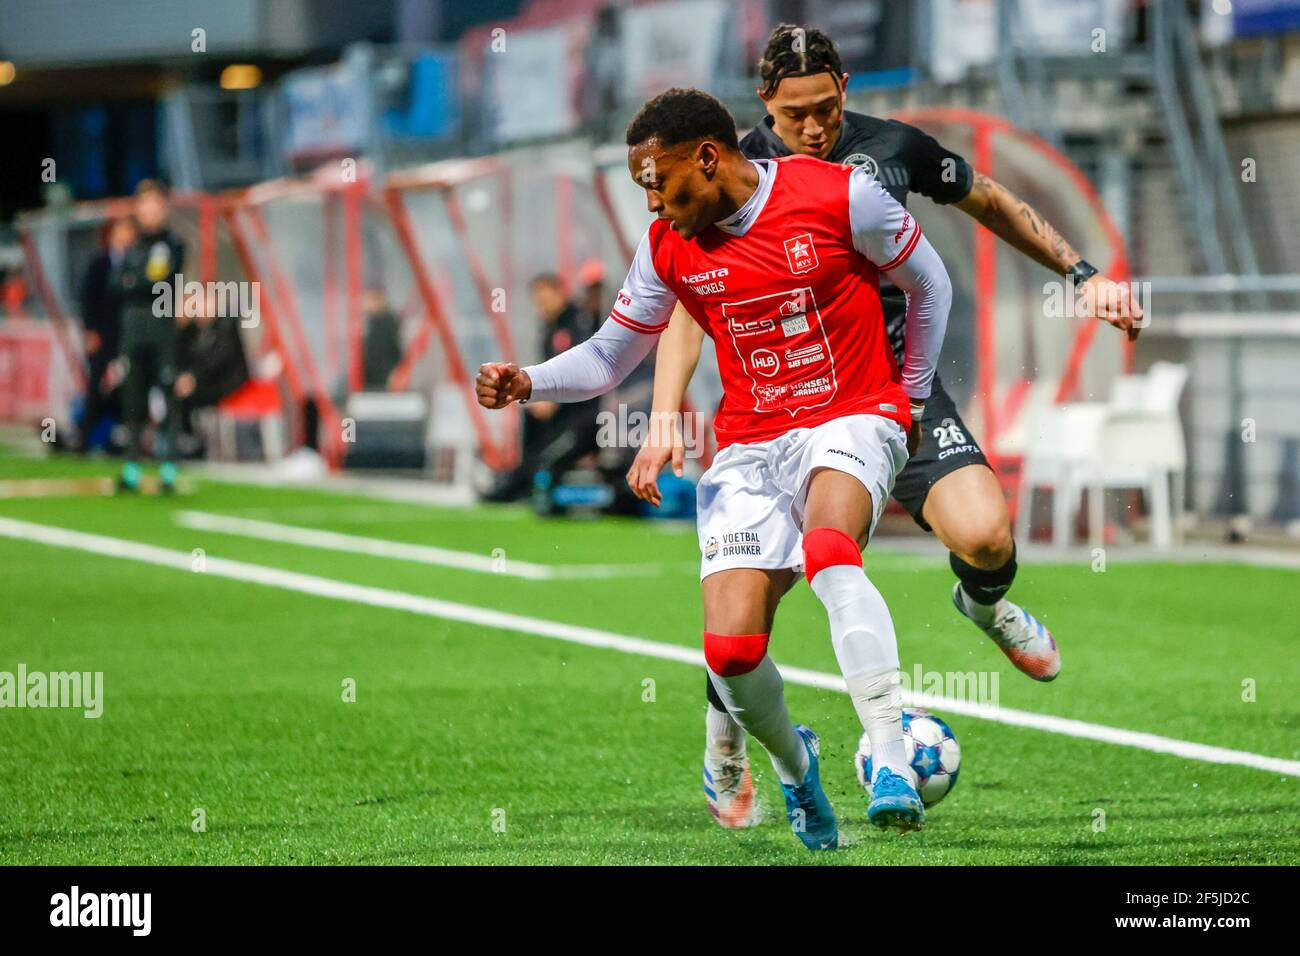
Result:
<point x="936" y="755"/>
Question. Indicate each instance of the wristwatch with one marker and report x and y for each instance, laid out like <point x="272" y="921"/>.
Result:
<point x="1081" y="272"/>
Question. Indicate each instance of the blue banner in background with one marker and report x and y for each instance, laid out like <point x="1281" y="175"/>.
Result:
<point x="431" y="106"/>
<point x="1261" y="17"/>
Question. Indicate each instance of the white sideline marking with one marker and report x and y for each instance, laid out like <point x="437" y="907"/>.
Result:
<point x="590" y="637"/>
<point x="419" y="553"/>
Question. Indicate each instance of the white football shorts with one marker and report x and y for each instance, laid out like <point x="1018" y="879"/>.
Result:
<point x="750" y="502"/>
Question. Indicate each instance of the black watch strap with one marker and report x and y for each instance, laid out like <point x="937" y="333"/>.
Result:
<point x="1081" y="272"/>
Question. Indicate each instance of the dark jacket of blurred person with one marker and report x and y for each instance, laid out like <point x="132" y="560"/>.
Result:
<point x="101" y="318"/>
<point x="210" y="364"/>
<point x="381" y="351"/>
<point x="555" y="435"/>
<point x="210" y="358"/>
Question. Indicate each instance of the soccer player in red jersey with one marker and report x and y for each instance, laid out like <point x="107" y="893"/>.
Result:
<point x="779" y="261"/>
<point x="948" y="485"/>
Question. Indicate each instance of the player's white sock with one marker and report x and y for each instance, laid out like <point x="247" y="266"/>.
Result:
<point x="756" y="700"/>
<point x="866" y="647"/>
<point x="724" y="736"/>
<point x="878" y="699"/>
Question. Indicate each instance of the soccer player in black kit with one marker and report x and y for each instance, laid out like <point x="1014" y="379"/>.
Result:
<point x="947" y="486"/>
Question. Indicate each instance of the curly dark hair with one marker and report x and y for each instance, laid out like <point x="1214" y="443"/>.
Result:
<point x="797" y="51"/>
<point x="682" y="116"/>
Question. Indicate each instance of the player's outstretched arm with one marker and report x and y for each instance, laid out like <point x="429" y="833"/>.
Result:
<point x="589" y="369"/>
<point x="1017" y="223"/>
<point x="679" y="353"/>
<point x="639" y="315"/>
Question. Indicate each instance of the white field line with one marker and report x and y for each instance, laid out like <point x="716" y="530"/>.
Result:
<point x="419" y="553"/>
<point x="590" y="637"/>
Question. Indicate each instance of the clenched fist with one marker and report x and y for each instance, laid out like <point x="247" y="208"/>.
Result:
<point x="500" y="383"/>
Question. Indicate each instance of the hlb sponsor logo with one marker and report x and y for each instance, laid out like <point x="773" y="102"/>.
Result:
<point x="765" y="362"/>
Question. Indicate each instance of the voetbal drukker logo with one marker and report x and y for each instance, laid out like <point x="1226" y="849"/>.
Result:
<point x="75" y="908"/>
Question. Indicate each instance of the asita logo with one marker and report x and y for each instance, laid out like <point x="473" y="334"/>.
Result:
<point x="705" y="276"/>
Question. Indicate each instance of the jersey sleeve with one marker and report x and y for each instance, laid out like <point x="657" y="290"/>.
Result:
<point x="890" y="236"/>
<point x="641" y="311"/>
<point x="933" y="171"/>
<point x="593" y="367"/>
<point x="883" y="230"/>
<point x="645" y="303"/>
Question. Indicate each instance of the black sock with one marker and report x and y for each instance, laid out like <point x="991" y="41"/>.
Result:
<point x="984" y="587"/>
<point x="714" y="700"/>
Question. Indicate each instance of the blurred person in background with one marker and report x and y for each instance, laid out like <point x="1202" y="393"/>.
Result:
<point x="212" y="365"/>
<point x="382" y="349"/>
<point x="101" y="317"/>
<point x="555" y="436"/>
<point x="148" y="356"/>
<point x="591" y="292"/>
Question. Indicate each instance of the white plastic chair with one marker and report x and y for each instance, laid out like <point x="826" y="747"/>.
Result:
<point x="1141" y="446"/>
<point x="1059" y="441"/>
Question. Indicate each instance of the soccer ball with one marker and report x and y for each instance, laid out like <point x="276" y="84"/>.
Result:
<point x="936" y="755"/>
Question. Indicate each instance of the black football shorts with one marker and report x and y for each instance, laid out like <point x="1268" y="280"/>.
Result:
<point x="946" y="445"/>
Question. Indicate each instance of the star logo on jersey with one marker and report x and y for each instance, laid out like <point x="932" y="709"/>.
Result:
<point x="801" y="253"/>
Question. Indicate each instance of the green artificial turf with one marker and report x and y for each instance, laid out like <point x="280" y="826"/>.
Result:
<point x="474" y="744"/>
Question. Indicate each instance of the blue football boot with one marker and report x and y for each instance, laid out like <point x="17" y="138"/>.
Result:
<point x="806" y="806"/>
<point x="895" y="802"/>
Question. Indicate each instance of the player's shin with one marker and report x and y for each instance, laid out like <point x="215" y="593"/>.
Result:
<point x="751" y="687"/>
<point x="722" y="734"/>
<point x="862" y="633"/>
